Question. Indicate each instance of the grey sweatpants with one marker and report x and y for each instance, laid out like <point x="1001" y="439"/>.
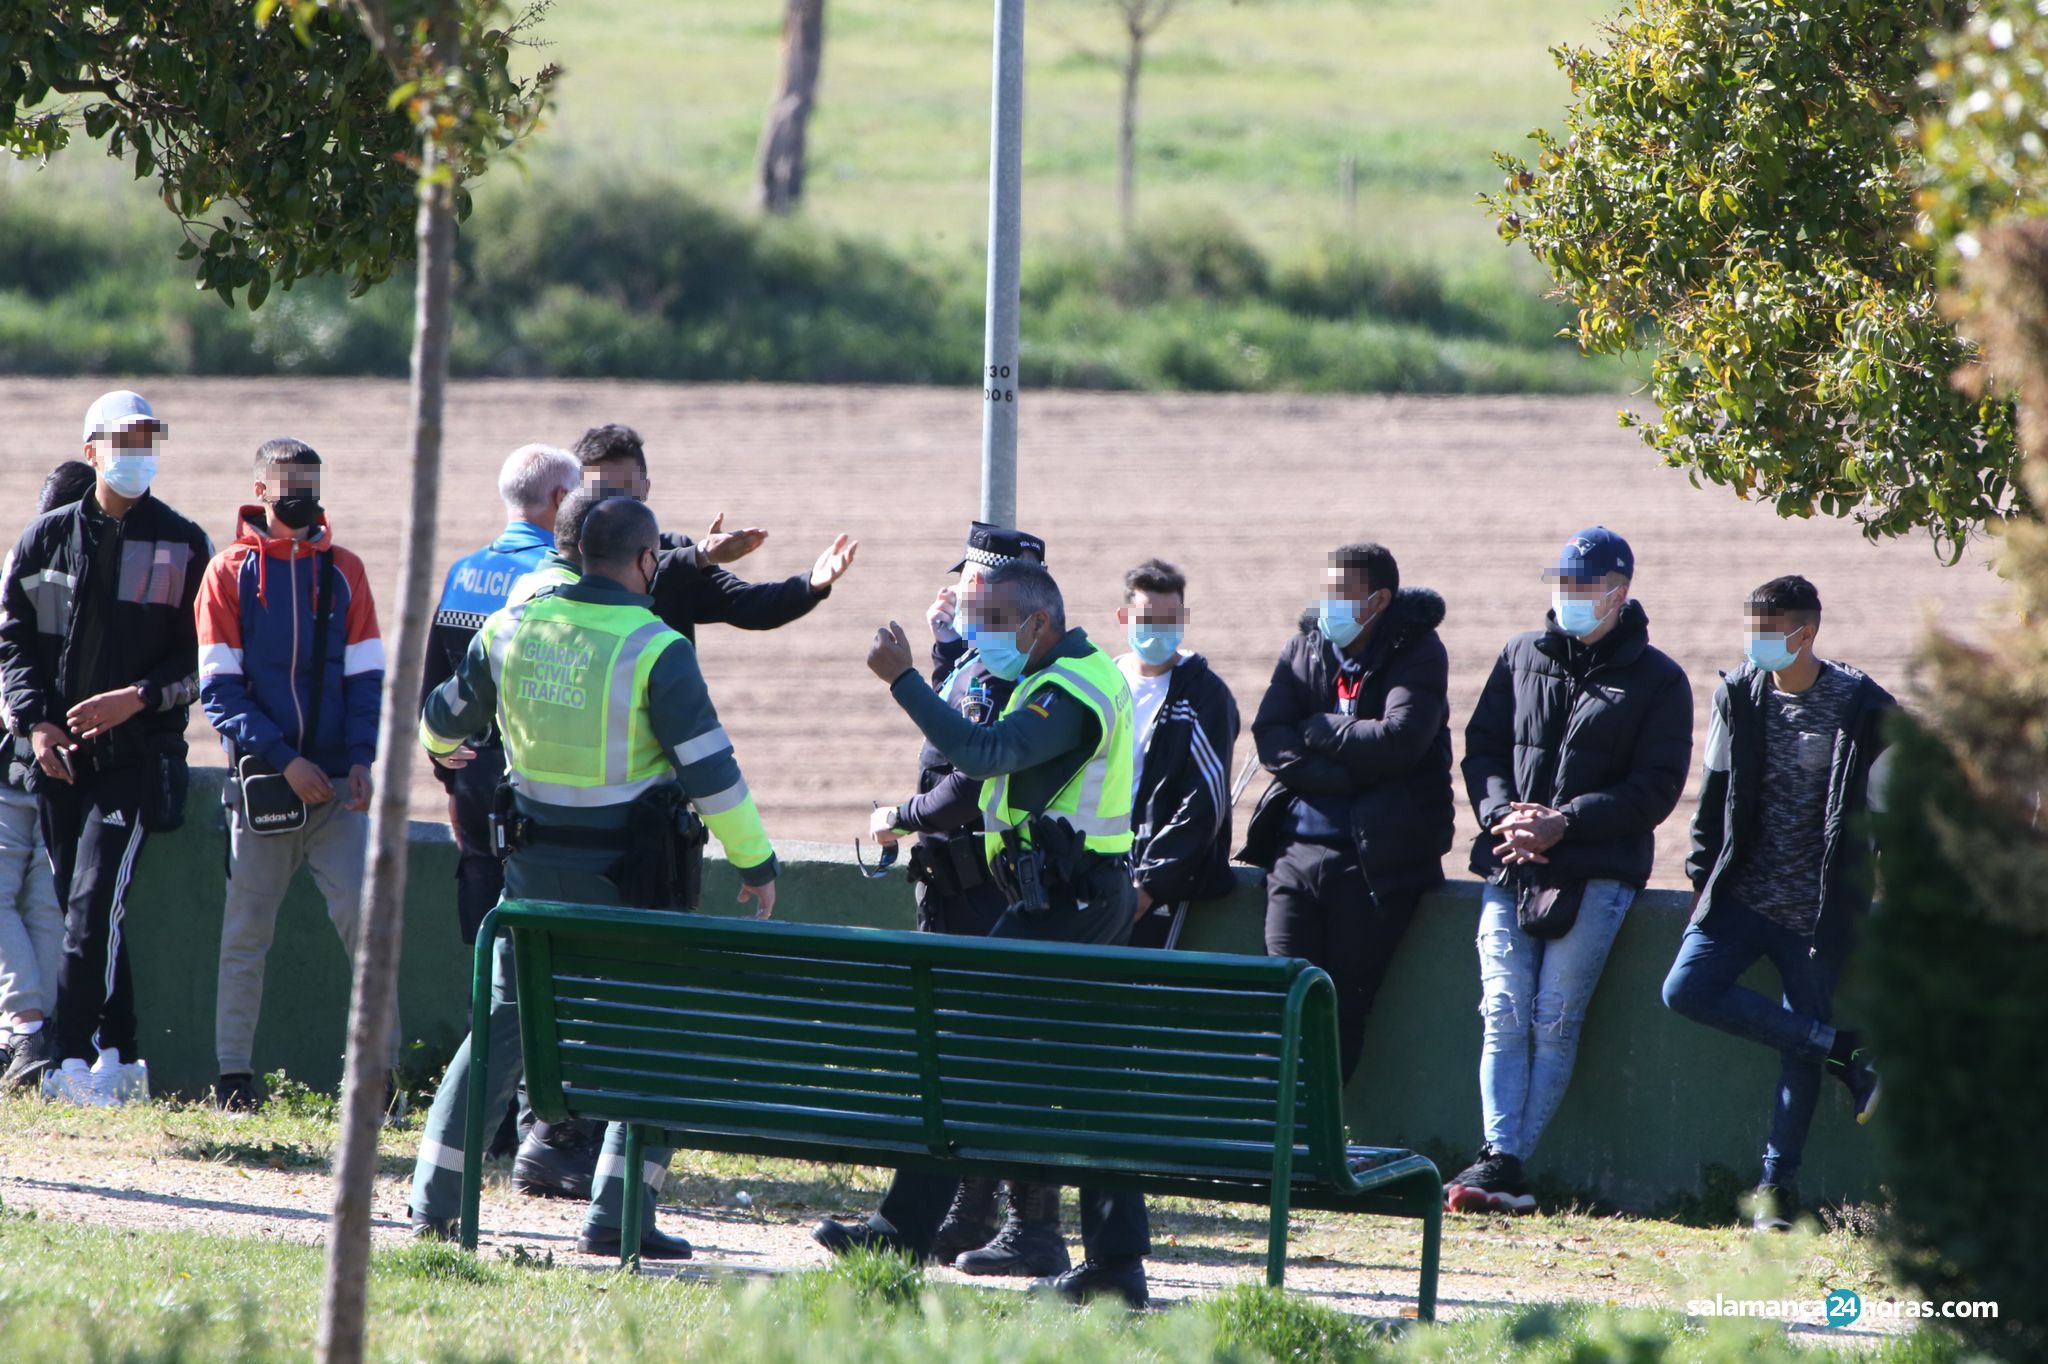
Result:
<point x="260" y="870"/>
<point x="31" y="920"/>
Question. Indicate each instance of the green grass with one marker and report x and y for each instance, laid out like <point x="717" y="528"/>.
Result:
<point x="1248" y="109"/>
<point x="74" y="1292"/>
<point x="1567" y="1255"/>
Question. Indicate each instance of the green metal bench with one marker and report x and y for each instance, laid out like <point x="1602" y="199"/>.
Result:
<point x="1161" y="1072"/>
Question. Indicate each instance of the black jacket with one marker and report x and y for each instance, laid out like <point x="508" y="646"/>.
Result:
<point x="1601" y="732"/>
<point x="689" y="593"/>
<point x="152" y="635"/>
<point x="1724" y="828"/>
<point x="1182" y="815"/>
<point x="1392" y="759"/>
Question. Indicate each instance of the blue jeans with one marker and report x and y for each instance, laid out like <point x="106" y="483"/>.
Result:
<point x="1701" y="986"/>
<point x="1533" y="996"/>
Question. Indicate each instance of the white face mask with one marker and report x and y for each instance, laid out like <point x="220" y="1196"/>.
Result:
<point x="129" y="474"/>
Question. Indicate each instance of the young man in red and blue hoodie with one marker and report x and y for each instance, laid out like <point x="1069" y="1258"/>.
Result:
<point x="302" y="698"/>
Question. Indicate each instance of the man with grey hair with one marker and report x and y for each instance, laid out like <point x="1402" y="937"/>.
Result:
<point x="532" y="484"/>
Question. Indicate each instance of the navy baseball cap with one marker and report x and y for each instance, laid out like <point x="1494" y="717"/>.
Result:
<point x="1593" y="554"/>
<point x="994" y="546"/>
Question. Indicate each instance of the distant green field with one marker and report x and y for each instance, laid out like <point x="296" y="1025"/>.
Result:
<point x="1246" y="272"/>
<point x="1247" y="108"/>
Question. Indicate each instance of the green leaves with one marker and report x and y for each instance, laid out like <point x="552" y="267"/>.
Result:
<point x="1732" y="189"/>
<point x="289" y="150"/>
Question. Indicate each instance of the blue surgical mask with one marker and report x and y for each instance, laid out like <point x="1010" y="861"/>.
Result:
<point x="1155" y="643"/>
<point x="1578" y="616"/>
<point x="1769" y="653"/>
<point x="129" y="475"/>
<point x="1339" y="622"/>
<point x="1000" y="652"/>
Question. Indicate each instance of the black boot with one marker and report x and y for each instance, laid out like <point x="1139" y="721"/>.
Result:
<point x="1124" y="1277"/>
<point x="842" y="1238"/>
<point x="1849" y="1061"/>
<point x="970" y="1222"/>
<point x="655" y="1244"/>
<point x="557" y="1160"/>
<point x="1029" y="1244"/>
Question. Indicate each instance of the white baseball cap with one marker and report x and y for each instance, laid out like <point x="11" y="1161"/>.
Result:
<point x="117" y="411"/>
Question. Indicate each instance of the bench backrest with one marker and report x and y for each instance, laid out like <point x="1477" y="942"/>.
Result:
<point x="850" y="1044"/>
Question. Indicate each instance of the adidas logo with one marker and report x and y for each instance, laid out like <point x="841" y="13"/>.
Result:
<point x="115" y="820"/>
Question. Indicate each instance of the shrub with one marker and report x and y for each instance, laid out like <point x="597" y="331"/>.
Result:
<point x="1950" y="979"/>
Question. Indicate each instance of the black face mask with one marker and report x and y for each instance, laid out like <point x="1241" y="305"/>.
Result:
<point x="296" y="511"/>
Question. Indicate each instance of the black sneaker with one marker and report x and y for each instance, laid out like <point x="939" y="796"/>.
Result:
<point x="1850" y="1063"/>
<point x="28" y="1056"/>
<point x="1493" y="1182"/>
<point x="655" y="1244"/>
<point x="1772" y="1208"/>
<point x="436" y="1228"/>
<point x="842" y="1237"/>
<point x="235" y="1092"/>
<point x="1123" y="1276"/>
<point x="545" y="1171"/>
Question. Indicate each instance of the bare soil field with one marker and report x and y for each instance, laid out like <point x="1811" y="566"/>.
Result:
<point x="1248" y="493"/>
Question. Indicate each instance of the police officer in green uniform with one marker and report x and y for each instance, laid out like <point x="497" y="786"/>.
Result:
<point x="1056" y="806"/>
<point x="608" y="731"/>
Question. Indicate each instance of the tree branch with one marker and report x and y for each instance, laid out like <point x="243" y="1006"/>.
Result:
<point x="377" y="24"/>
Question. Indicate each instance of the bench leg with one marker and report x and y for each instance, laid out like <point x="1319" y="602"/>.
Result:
<point x="1432" y="1243"/>
<point x="1276" y="1239"/>
<point x="632" y="1203"/>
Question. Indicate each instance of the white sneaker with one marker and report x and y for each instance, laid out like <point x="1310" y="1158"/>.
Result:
<point x="72" y="1083"/>
<point x="120" y="1083"/>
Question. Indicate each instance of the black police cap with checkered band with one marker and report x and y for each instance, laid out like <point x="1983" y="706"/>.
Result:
<point x="993" y="546"/>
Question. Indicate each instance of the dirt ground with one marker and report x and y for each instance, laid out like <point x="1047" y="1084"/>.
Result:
<point x="1248" y="493"/>
<point x="172" y="1168"/>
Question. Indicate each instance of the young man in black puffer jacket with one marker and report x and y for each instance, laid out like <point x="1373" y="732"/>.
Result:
<point x="1577" y="751"/>
<point x="1355" y="728"/>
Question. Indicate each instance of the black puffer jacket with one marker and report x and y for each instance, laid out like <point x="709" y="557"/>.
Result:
<point x="1601" y="732"/>
<point x="1724" y="828"/>
<point x="1392" y="759"/>
<point x="153" y="635"/>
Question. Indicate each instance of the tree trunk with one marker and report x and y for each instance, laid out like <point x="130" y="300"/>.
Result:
<point x="371" y="1012"/>
<point x="1127" y="135"/>
<point x="779" y="177"/>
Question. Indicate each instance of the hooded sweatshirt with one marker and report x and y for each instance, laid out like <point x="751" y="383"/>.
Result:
<point x="257" y="670"/>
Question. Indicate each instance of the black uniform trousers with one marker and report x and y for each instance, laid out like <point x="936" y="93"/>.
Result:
<point x="93" y="829"/>
<point x="1320" y="907"/>
<point x="479" y="875"/>
<point x="970" y="914"/>
<point x="1113" y="1222"/>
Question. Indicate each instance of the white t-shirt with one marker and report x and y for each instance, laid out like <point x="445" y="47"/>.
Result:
<point x="1148" y="694"/>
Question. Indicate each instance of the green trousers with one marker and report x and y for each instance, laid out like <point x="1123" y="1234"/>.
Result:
<point x="570" y="875"/>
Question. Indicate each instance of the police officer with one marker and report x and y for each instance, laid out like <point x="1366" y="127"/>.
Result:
<point x="955" y="894"/>
<point x="1056" y="805"/>
<point x="584" y="813"/>
<point x="532" y="484"/>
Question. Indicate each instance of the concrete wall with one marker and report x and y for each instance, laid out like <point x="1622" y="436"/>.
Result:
<point x="1655" y="1099"/>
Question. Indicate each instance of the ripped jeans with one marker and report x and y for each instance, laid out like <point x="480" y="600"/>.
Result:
<point x="1533" y="997"/>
